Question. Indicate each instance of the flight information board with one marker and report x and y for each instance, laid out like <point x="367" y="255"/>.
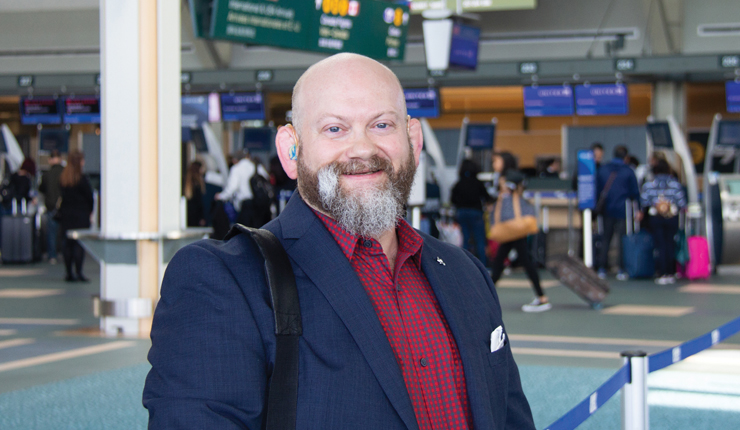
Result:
<point x="242" y="106"/>
<point x="464" y="46"/>
<point x="732" y="92"/>
<point x="82" y="110"/>
<point x="41" y="110"/>
<point x="555" y="100"/>
<point x="480" y="136"/>
<point x="606" y="99"/>
<point x="419" y="6"/>
<point x="194" y="110"/>
<point x="421" y="102"/>
<point x="373" y="28"/>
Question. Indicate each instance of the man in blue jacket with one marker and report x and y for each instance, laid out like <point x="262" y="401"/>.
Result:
<point x="400" y="330"/>
<point x="616" y="184"/>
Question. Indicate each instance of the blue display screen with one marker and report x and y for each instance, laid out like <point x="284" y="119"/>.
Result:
<point x="480" y="136"/>
<point x="729" y="134"/>
<point x="194" y="110"/>
<point x="242" y="106"/>
<point x="732" y="90"/>
<point x="53" y="139"/>
<point x="422" y="102"/>
<point x="610" y="99"/>
<point x="660" y="134"/>
<point x="41" y="110"/>
<point x="258" y="139"/>
<point x="464" y="46"/>
<point x="82" y="110"/>
<point x="556" y="100"/>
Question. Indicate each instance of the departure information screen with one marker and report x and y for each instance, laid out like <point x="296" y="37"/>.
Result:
<point x="194" y="109"/>
<point x="480" y="136"/>
<point x="242" y="106"/>
<point x="732" y="91"/>
<point x="41" y="110"/>
<point x="608" y="99"/>
<point x="555" y="100"/>
<point x="464" y="46"/>
<point x="422" y="102"/>
<point x="82" y="110"/>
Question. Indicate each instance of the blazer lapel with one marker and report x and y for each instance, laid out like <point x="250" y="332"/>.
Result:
<point x="455" y="300"/>
<point x="344" y="292"/>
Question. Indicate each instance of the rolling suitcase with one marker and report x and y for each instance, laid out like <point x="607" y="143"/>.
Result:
<point x="19" y="234"/>
<point x="698" y="266"/>
<point x="637" y="249"/>
<point x="583" y="281"/>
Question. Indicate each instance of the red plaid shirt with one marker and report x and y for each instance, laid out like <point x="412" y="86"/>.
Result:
<point x="417" y="330"/>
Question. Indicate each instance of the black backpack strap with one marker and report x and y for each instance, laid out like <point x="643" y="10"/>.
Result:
<point x="282" y="396"/>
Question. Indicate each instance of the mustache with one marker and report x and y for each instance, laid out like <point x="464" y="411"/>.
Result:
<point x="373" y="164"/>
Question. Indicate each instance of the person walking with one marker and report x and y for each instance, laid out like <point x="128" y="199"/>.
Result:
<point x="74" y="213"/>
<point x="51" y="188"/>
<point x="663" y="197"/>
<point x="468" y="195"/>
<point x="616" y="183"/>
<point x="512" y="188"/>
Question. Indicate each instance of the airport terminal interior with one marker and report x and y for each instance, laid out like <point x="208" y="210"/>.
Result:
<point x="161" y="98"/>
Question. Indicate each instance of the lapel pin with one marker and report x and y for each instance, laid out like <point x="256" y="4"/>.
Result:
<point x="440" y="261"/>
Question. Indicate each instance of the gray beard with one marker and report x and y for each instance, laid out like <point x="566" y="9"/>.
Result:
<point x="366" y="212"/>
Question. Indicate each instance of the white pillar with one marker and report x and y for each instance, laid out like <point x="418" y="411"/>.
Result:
<point x="140" y="126"/>
<point x="588" y="242"/>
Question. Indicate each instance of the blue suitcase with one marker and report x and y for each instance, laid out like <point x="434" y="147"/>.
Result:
<point x="637" y="249"/>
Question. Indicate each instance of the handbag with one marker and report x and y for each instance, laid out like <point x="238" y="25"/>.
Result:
<point x="601" y="203"/>
<point x="682" y="247"/>
<point x="515" y="228"/>
<point x="282" y="397"/>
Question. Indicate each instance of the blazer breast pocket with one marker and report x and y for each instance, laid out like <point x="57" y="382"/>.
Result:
<point x="498" y="357"/>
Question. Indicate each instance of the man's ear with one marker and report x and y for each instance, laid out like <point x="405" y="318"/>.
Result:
<point x="416" y="137"/>
<point x="285" y="139"/>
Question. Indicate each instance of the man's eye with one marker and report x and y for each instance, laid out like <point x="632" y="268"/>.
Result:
<point x="383" y="125"/>
<point x="334" y="129"/>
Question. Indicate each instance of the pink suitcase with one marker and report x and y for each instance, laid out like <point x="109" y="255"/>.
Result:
<point x="698" y="266"/>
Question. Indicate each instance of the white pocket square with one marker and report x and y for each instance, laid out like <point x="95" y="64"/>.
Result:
<point x="498" y="339"/>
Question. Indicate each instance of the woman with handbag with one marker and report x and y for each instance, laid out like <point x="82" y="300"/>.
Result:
<point x="514" y="220"/>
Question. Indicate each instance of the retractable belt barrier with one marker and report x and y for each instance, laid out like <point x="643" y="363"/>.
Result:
<point x="582" y="411"/>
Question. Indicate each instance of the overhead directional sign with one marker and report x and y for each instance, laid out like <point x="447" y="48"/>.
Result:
<point x="373" y="28"/>
<point x="419" y="6"/>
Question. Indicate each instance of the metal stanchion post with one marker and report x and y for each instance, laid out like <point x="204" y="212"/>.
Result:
<point x="588" y="252"/>
<point x="634" y="393"/>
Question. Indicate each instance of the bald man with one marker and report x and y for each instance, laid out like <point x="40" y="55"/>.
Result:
<point x="400" y="331"/>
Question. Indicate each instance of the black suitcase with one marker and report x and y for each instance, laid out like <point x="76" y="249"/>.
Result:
<point x="579" y="279"/>
<point x="18" y="237"/>
<point x="538" y="248"/>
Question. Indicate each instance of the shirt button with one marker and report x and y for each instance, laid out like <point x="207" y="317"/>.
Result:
<point x="423" y="362"/>
<point x="367" y="243"/>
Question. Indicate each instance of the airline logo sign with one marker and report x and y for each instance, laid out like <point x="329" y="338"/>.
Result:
<point x="368" y="27"/>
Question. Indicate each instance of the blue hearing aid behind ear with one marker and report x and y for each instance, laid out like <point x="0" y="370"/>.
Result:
<point x="292" y="152"/>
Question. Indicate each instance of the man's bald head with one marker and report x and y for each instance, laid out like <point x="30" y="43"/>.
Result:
<point x="341" y="66"/>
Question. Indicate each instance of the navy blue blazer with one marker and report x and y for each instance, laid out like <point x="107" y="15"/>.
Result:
<point x="213" y="342"/>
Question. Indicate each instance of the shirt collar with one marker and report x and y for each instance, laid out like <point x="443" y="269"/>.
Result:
<point x="409" y="240"/>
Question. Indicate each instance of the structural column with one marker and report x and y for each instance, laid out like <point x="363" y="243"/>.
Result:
<point x="140" y="187"/>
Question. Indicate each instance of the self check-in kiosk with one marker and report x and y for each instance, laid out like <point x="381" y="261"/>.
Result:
<point x="722" y="193"/>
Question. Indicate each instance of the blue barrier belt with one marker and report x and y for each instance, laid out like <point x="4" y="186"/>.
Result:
<point x="665" y="358"/>
<point x="660" y="360"/>
<point x="590" y="404"/>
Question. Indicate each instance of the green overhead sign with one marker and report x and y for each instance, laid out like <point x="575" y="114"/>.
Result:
<point x="369" y="27"/>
